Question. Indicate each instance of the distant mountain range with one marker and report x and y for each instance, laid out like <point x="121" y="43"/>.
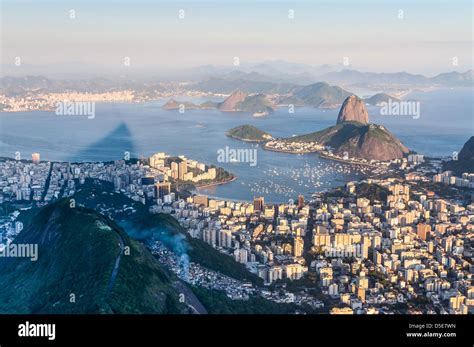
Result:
<point x="33" y="85"/>
<point x="274" y="77"/>
<point x="346" y="77"/>
<point x="219" y="85"/>
<point x="321" y="95"/>
<point x="303" y="74"/>
<point x="269" y="71"/>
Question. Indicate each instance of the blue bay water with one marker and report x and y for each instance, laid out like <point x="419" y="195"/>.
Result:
<point x="445" y="124"/>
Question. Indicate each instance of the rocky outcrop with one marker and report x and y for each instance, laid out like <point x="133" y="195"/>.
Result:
<point x="353" y="110"/>
<point x="230" y="104"/>
<point x="354" y="137"/>
<point x="372" y="142"/>
<point x="176" y="105"/>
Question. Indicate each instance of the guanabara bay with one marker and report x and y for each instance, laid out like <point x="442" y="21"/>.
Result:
<point x="161" y="162"/>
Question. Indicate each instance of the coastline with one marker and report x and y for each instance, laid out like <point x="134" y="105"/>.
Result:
<point x="246" y="140"/>
<point x="287" y="151"/>
<point x="208" y="185"/>
<point x="322" y="155"/>
<point x="325" y="156"/>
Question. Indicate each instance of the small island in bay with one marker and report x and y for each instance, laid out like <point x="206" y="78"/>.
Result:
<point x="176" y="105"/>
<point x="379" y="99"/>
<point x="239" y="101"/>
<point x="249" y="133"/>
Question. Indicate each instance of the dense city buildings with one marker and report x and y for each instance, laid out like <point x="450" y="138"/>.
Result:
<point x="371" y="254"/>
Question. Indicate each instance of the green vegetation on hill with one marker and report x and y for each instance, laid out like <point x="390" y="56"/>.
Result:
<point x="465" y="159"/>
<point x="321" y="94"/>
<point x="368" y="141"/>
<point x="77" y="251"/>
<point x="333" y="136"/>
<point x="256" y="103"/>
<point x="142" y="285"/>
<point x="176" y="104"/>
<point x="132" y="292"/>
<point x="373" y="192"/>
<point x="202" y="253"/>
<point x="209" y="104"/>
<point x="198" y="251"/>
<point x="445" y="190"/>
<point x="142" y="225"/>
<point x="249" y="133"/>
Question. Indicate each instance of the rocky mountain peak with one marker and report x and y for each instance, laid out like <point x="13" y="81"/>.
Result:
<point x="353" y="110"/>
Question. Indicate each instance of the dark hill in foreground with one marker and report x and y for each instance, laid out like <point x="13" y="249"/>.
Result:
<point x="465" y="159"/>
<point x="77" y="252"/>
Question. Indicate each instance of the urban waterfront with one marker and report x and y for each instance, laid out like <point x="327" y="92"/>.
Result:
<point x="143" y="129"/>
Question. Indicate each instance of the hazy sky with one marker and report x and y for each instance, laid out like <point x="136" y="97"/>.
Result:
<point x="370" y="34"/>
